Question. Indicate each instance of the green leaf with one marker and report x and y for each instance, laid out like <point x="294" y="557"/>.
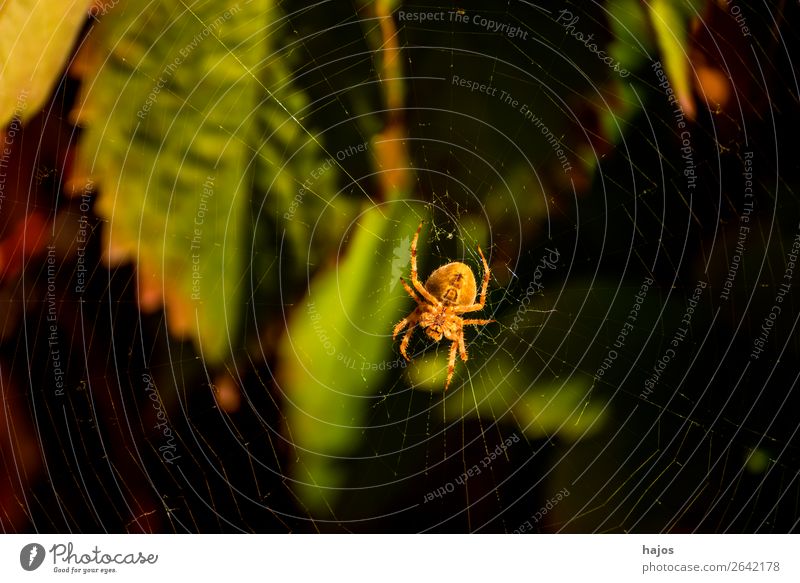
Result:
<point x="338" y="350"/>
<point x="519" y="394"/>
<point x="182" y="121"/>
<point x="37" y="37"/>
<point x="295" y="177"/>
<point x="630" y="28"/>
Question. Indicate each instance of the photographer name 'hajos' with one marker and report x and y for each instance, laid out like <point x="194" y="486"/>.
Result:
<point x="657" y="551"/>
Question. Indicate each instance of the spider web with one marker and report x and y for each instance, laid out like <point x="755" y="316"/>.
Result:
<point x="638" y="377"/>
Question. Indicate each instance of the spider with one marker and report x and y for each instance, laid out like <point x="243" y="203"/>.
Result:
<point x="448" y="292"/>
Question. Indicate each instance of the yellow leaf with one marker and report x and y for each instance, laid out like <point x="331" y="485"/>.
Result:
<point x="36" y="38"/>
<point x="671" y="29"/>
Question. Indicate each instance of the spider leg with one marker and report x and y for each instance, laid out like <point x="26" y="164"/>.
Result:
<point x="451" y="363"/>
<point x="485" y="284"/>
<point x="400" y="325"/>
<point x="410" y="291"/>
<point x="462" y="348"/>
<point x="486" y="275"/>
<point x="414" y="278"/>
<point x="406" y="340"/>
<point x="476" y="322"/>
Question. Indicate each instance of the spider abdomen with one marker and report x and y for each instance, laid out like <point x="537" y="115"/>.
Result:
<point x="453" y="284"/>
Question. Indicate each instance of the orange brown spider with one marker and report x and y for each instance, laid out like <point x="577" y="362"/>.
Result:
<point x="449" y="291"/>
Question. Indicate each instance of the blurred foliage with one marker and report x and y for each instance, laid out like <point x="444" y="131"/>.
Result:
<point x="337" y="350"/>
<point x="642" y="33"/>
<point x="334" y="352"/>
<point x="166" y="112"/>
<point x="214" y="108"/>
<point x="187" y="111"/>
<point x="671" y="22"/>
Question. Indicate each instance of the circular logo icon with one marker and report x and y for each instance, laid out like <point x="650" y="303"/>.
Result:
<point x="31" y="556"/>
